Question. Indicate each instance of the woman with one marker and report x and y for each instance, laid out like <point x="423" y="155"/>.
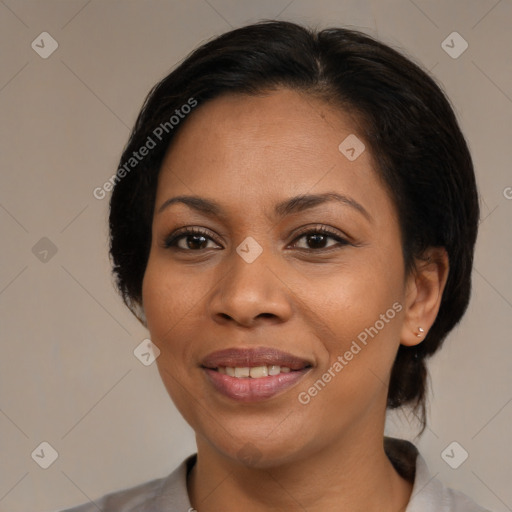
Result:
<point x="294" y="219"/>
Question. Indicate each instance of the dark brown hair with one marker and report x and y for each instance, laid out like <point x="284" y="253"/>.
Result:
<point x="403" y="115"/>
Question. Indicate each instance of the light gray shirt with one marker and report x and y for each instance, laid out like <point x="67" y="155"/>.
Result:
<point x="169" y="494"/>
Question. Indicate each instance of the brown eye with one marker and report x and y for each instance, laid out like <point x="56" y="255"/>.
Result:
<point x="318" y="239"/>
<point x="194" y="242"/>
<point x="190" y="240"/>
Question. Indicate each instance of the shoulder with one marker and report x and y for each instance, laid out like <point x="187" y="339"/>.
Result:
<point x="428" y="493"/>
<point x="169" y="493"/>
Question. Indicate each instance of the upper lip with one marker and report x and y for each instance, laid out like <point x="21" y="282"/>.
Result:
<point x="250" y="357"/>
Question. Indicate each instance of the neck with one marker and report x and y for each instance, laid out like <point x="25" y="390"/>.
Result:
<point x="355" y="474"/>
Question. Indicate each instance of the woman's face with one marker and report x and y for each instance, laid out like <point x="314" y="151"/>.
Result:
<point x="294" y="262"/>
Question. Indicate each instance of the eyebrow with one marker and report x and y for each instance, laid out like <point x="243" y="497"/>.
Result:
<point x="289" y="206"/>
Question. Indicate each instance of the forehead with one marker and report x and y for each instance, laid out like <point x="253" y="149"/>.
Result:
<point x="255" y="148"/>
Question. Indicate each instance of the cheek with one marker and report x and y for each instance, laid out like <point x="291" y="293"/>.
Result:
<point x="362" y="308"/>
<point x="364" y="320"/>
<point x="167" y="295"/>
<point x="170" y="303"/>
<point x="356" y="296"/>
<point x="360" y="345"/>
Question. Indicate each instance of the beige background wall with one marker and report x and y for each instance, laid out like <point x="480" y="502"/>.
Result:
<point x="68" y="375"/>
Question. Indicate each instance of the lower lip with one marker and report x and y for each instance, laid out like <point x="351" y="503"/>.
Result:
<point x="246" y="389"/>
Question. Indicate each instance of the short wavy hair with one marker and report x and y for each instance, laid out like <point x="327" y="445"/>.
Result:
<point x="403" y="116"/>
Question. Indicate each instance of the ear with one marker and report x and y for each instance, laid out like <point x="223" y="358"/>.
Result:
<point x="424" y="290"/>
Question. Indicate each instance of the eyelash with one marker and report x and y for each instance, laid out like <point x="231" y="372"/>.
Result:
<point x="171" y="241"/>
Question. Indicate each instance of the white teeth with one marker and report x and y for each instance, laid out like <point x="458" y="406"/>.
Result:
<point x="274" y="370"/>
<point x="258" y="371"/>
<point x="255" y="372"/>
<point x="242" y="372"/>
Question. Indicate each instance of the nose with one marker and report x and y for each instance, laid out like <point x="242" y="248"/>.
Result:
<point x="250" y="294"/>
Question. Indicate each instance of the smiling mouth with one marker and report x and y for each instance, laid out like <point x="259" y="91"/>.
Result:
<point x="255" y="372"/>
<point x="253" y="383"/>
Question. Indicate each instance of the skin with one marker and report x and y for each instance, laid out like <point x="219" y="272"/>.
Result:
<point x="249" y="153"/>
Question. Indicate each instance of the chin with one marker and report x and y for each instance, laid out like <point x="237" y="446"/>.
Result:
<point x="257" y="450"/>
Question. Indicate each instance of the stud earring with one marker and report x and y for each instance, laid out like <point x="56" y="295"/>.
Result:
<point x="421" y="331"/>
